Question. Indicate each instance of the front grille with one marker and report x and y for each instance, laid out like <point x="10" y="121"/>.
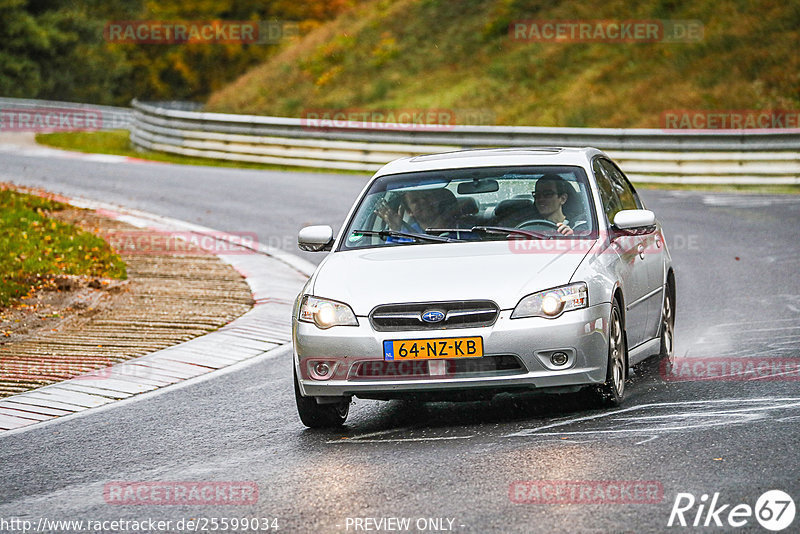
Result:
<point x="457" y="314"/>
<point x="453" y="368"/>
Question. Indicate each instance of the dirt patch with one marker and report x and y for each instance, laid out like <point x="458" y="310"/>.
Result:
<point x="64" y="300"/>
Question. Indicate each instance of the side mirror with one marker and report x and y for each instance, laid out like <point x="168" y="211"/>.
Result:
<point x="315" y="238"/>
<point x="635" y="221"/>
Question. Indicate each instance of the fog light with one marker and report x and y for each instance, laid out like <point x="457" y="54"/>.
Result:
<point x="559" y="358"/>
<point x="321" y="370"/>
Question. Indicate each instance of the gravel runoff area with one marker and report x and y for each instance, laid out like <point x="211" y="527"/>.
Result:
<point x="172" y="294"/>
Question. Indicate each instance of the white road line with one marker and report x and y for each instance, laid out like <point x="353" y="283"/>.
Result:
<point x="396" y="440"/>
<point x="381" y="433"/>
<point x="538" y="430"/>
<point x="773" y="321"/>
<point x="566" y="441"/>
<point x="629" y="430"/>
<point x="795" y="327"/>
<point x="675" y="416"/>
<point x="772" y="375"/>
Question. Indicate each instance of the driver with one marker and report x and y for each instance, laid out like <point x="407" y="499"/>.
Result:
<point x="550" y="195"/>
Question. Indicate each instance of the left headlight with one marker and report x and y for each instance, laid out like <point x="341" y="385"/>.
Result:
<point x="551" y="303"/>
<point x="326" y="313"/>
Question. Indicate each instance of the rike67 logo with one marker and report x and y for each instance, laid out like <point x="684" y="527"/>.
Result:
<point x="774" y="510"/>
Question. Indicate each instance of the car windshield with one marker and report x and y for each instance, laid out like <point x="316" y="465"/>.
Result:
<point x="474" y="204"/>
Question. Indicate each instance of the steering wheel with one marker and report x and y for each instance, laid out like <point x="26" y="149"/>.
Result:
<point x="585" y="224"/>
<point x="537" y="222"/>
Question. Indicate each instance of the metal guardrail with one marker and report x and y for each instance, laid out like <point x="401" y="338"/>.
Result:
<point x="647" y="155"/>
<point x="111" y="117"/>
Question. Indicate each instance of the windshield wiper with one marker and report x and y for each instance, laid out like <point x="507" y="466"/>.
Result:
<point x="494" y="230"/>
<point x="395" y="233"/>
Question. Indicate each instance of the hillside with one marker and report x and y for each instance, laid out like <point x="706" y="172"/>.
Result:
<point x="411" y="54"/>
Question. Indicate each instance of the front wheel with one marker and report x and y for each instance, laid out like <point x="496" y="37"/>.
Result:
<point x="668" y="325"/>
<point x="315" y="415"/>
<point x="612" y="391"/>
<point x="666" y="353"/>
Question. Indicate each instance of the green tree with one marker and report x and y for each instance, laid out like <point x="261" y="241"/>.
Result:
<point x="24" y="44"/>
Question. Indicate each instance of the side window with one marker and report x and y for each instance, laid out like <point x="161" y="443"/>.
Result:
<point x="627" y="195"/>
<point x="627" y="183"/>
<point x="608" y="194"/>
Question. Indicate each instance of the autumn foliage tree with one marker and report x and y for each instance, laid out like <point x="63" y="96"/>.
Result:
<point x="55" y="49"/>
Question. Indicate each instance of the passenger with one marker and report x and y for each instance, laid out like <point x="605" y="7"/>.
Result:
<point x="427" y="208"/>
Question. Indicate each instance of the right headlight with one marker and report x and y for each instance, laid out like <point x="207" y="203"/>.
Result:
<point x="326" y="313"/>
<point x="551" y="303"/>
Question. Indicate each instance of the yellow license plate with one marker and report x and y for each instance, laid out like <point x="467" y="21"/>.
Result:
<point x="426" y="349"/>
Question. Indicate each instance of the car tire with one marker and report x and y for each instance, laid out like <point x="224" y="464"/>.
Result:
<point x="667" y="349"/>
<point x="612" y="392"/>
<point x="315" y="415"/>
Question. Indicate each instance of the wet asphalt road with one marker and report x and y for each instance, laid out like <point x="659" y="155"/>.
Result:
<point x="440" y="465"/>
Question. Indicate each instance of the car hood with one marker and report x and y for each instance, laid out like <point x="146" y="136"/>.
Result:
<point x="501" y="271"/>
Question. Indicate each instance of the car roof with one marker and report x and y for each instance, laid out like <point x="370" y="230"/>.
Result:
<point x="492" y="157"/>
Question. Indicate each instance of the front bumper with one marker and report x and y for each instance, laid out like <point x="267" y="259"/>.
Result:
<point x="582" y="334"/>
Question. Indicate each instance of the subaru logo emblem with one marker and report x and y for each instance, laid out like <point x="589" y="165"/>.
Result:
<point x="433" y="316"/>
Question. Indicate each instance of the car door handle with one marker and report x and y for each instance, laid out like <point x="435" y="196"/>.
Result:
<point x="640" y="248"/>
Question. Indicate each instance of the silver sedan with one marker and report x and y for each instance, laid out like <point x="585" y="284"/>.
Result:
<point x="466" y="274"/>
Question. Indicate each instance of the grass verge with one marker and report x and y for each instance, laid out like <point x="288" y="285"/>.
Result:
<point x="34" y="248"/>
<point x="116" y="142"/>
